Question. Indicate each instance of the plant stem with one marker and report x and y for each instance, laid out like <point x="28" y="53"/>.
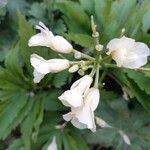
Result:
<point x="84" y="55"/>
<point x="102" y="77"/>
<point x="97" y="76"/>
<point x="93" y="71"/>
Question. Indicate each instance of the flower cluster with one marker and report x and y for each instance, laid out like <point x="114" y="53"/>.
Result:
<point x="83" y="96"/>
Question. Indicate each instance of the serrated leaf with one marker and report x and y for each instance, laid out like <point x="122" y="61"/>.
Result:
<point x="34" y="10"/>
<point x="75" y="17"/>
<point x="30" y="125"/>
<point x="140" y="79"/>
<point x="10" y="113"/>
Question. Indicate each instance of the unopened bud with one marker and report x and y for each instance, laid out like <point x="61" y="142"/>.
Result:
<point x="99" y="47"/>
<point x="84" y="68"/>
<point x="73" y="69"/>
<point x="81" y="72"/>
<point x="77" y="55"/>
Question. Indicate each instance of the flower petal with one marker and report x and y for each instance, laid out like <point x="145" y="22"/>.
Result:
<point x="92" y="98"/>
<point x="57" y="65"/>
<point x="40" y="64"/>
<point x="71" y="98"/>
<point x="59" y="44"/>
<point x="86" y="116"/>
<point x="53" y="145"/>
<point x="68" y="116"/>
<point x="37" y="76"/>
<point x="120" y="43"/>
<point x="83" y="84"/>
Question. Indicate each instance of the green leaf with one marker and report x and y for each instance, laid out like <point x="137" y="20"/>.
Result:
<point x="140" y="79"/>
<point x="83" y="40"/>
<point x="69" y="142"/>
<point x="88" y="6"/>
<point x="25" y="32"/>
<point x="30" y="125"/>
<point x="51" y="101"/>
<point x="75" y="17"/>
<point x="16" y="145"/>
<point x="60" y="79"/>
<point x="146" y="22"/>
<point x="102" y="136"/>
<point x="34" y="10"/>
<point x="10" y="113"/>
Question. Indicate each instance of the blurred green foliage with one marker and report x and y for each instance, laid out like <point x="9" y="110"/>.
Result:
<point x="29" y="113"/>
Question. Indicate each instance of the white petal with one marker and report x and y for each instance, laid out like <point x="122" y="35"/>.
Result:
<point x="39" y="39"/>
<point x="37" y="76"/>
<point x="59" y="44"/>
<point x="92" y="98"/>
<point x="138" y="56"/>
<point x="141" y="49"/>
<point x="46" y="66"/>
<point x="53" y="145"/>
<point x="57" y="65"/>
<point x="40" y="64"/>
<point x="71" y="98"/>
<point x="43" y="38"/>
<point x="83" y="84"/>
<point x="117" y="44"/>
<point x="68" y="116"/>
<point x="134" y="63"/>
<point x="78" y="124"/>
<point x="86" y="117"/>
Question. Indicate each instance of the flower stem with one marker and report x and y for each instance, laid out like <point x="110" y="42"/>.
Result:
<point x="84" y="55"/>
<point x="93" y="71"/>
<point x="97" y="76"/>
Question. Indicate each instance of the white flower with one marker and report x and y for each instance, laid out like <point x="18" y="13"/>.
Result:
<point x="43" y="67"/>
<point x="53" y="145"/>
<point x="128" y="53"/>
<point x="83" y="117"/>
<point x="74" y="96"/>
<point x="46" y="38"/>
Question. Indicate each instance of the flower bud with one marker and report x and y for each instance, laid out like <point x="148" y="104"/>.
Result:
<point x="81" y="72"/>
<point x="77" y="55"/>
<point x="74" y="68"/>
<point x="59" y="44"/>
<point x="99" y="47"/>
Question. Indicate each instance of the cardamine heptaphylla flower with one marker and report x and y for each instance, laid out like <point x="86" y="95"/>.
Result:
<point x="82" y="117"/>
<point x="43" y="67"/>
<point x="48" y="39"/>
<point x="128" y="53"/>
